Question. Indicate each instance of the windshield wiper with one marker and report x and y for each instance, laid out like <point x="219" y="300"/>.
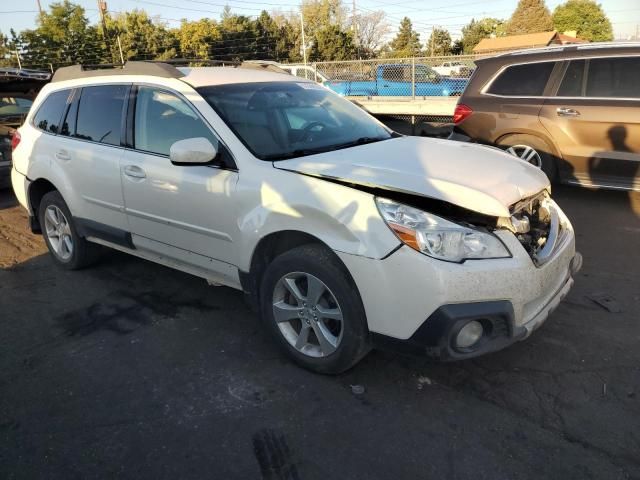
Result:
<point x="330" y="148"/>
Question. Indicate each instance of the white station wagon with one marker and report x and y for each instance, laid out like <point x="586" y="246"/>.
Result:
<point x="344" y="234"/>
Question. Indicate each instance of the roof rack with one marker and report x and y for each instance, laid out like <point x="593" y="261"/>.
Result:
<point x="569" y="47"/>
<point x="128" y="68"/>
<point x="156" y="68"/>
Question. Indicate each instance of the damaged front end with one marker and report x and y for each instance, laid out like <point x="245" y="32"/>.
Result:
<point x="539" y="225"/>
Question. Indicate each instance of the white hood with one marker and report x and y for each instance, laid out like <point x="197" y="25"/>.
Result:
<point x="474" y="177"/>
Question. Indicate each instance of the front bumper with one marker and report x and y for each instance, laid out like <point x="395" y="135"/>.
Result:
<point x="417" y="302"/>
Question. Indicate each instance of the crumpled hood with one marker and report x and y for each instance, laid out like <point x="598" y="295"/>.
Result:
<point x="474" y="177"/>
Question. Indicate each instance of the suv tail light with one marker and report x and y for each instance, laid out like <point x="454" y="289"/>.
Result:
<point x="15" y="140"/>
<point x="461" y="113"/>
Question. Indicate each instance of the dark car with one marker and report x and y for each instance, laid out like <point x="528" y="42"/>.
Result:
<point x="18" y="89"/>
<point x="574" y="111"/>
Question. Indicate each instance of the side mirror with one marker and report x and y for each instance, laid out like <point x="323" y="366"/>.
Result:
<point x="193" y="151"/>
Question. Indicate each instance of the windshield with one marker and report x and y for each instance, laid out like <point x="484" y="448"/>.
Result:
<point x="14" y="106"/>
<point x="278" y="120"/>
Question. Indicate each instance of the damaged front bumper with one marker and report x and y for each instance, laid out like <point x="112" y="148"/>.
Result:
<point x="420" y="304"/>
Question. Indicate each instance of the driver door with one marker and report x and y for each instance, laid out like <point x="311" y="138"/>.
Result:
<point x="183" y="212"/>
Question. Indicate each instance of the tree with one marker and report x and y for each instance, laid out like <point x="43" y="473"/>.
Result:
<point x="371" y="29"/>
<point x="196" y="38"/>
<point x="530" y="16"/>
<point x="439" y="43"/>
<point x="586" y="17"/>
<point x="62" y="37"/>
<point x="407" y="41"/>
<point x="475" y="31"/>
<point x="331" y="43"/>
<point x="318" y="14"/>
<point x="141" y="38"/>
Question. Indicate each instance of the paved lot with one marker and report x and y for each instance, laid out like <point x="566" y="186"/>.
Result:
<point x="132" y="370"/>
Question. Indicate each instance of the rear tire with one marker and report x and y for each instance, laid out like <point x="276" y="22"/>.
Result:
<point x="307" y="328"/>
<point x="67" y="248"/>
<point x="538" y="153"/>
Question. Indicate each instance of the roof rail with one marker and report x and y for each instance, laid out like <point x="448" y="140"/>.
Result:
<point x="569" y="47"/>
<point x="185" y="62"/>
<point x="129" y="68"/>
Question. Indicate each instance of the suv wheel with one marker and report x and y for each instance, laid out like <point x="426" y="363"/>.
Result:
<point x="314" y="311"/>
<point x="533" y="151"/>
<point x="67" y="248"/>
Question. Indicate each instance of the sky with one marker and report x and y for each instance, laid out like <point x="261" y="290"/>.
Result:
<point x="425" y="14"/>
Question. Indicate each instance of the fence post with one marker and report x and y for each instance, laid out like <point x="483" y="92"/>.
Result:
<point x="413" y="77"/>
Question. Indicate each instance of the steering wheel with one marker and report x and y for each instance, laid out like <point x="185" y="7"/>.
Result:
<point x="307" y="131"/>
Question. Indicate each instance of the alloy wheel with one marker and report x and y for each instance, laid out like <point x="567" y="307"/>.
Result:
<point x="307" y="314"/>
<point x="527" y="154"/>
<point x="58" y="232"/>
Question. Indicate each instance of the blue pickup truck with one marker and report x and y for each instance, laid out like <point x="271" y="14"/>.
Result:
<point x="395" y="80"/>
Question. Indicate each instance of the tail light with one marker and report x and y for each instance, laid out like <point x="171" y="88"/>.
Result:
<point x="15" y="140"/>
<point x="461" y="113"/>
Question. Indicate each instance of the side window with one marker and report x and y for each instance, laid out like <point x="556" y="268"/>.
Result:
<point x="392" y="74"/>
<point x="162" y="118"/>
<point x="571" y="85"/>
<point x="49" y="114"/>
<point x="99" y="116"/>
<point x="613" y="77"/>
<point x="526" y="80"/>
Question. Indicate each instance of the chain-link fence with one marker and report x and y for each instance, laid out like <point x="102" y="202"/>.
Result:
<point x="392" y="77"/>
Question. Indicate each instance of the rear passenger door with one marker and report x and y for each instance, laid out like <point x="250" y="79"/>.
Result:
<point x="594" y="119"/>
<point x="183" y="212"/>
<point x="88" y="150"/>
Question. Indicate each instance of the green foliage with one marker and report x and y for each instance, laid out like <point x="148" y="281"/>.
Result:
<point x="62" y="37"/>
<point x="141" y="38"/>
<point x="475" y="31"/>
<point x="530" y="16"/>
<point x="584" y="16"/>
<point x="407" y="41"/>
<point x="439" y="43"/>
<point x="331" y="43"/>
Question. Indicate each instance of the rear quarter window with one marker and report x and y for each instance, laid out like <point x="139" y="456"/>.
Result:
<point x="49" y="115"/>
<point x="613" y="77"/>
<point x="528" y="80"/>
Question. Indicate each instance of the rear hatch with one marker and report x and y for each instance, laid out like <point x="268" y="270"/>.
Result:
<point x="18" y="89"/>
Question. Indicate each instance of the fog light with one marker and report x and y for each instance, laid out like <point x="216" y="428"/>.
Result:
<point x="469" y="334"/>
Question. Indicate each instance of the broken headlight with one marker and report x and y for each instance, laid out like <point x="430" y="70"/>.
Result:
<point x="439" y="238"/>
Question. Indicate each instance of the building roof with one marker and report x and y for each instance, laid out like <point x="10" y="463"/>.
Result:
<point x="568" y="39"/>
<point x="514" y="42"/>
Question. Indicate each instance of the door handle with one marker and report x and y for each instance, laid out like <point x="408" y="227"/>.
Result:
<point x="567" y="112"/>
<point x="134" y="172"/>
<point x="63" y="155"/>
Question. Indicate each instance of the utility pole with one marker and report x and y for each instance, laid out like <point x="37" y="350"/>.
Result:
<point x="39" y="7"/>
<point x="102" y="9"/>
<point x="304" y="42"/>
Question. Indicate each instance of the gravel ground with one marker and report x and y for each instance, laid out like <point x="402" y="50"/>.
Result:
<point x="131" y="370"/>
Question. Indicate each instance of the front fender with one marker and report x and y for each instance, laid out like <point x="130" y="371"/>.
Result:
<point x="345" y="219"/>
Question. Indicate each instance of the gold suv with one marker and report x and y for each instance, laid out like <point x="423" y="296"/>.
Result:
<point x="573" y="111"/>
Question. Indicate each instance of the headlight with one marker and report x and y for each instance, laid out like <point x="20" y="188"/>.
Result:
<point x="437" y="237"/>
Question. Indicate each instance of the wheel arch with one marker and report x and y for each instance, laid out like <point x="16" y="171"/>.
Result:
<point x="527" y="133"/>
<point x="267" y="249"/>
<point x="37" y="190"/>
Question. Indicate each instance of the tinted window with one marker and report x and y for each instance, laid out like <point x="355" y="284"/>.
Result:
<point x="70" y="120"/>
<point x="14" y="106"/>
<point x="162" y="119"/>
<point x="614" y="77"/>
<point x="571" y="85"/>
<point x="523" y="80"/>
<point x="50" y="112"/>
<point x="100" y="113"/>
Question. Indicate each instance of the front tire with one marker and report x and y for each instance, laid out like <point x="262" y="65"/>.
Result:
<point x="67" y="248"/>
<point x="312" y="308"/>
